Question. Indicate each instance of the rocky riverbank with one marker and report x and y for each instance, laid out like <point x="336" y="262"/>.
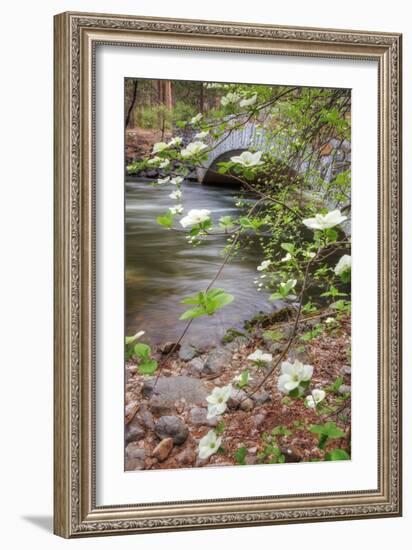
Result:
<point x="165" y="417"/>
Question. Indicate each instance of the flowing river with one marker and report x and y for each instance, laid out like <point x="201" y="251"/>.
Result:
<point x="162" y="268"/>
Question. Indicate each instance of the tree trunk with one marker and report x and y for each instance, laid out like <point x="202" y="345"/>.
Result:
<point x="131" y="106"/>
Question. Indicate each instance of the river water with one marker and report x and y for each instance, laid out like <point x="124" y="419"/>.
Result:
<point x="162" y="268"/>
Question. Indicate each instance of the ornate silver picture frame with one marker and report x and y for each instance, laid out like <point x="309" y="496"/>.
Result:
<point x="76" y="36"/>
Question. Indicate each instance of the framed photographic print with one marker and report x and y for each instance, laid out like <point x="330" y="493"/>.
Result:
<point x="227" y="274"/>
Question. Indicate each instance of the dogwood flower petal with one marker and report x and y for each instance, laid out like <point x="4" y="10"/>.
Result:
<point x="193" y="149"/>
<point x="344" y="264"/>
<point x="248" y="159"/>
<point x="325" y="221"/>
<point x="209" y="445"/>
<point x="249" y="101"/>
<point x="194" y="217"/>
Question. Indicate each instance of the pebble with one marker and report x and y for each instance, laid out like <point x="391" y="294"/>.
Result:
<point x="216" y="361"/>
<point x="187" y="352"/>
<point x="163" y="449"/>
<point x="346" y="370"/>
<point x="247" y="405"/>
<point x="171" y="426"/>
<point x="195" y="366"/>
<point x="261" y="397"/>
<point x="187" y="456"/>
<point x="134" y="430"/>
<point x="344" y="389"/>
<point x="198" y="417"/>
<point x="135" y="457"/>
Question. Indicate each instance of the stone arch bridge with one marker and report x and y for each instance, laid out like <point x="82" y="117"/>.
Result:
<point x="335" y="156"/>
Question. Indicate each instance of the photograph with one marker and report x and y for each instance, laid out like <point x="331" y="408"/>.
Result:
<point x="237" y="297"/>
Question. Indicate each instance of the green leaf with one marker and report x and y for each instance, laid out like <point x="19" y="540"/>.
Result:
<point x="142" y="351"/>
<point x="166" y="220"/>
<point x="289" y="247"/>
<point x="148" y="366"/>
<point x="244" y="379"/>
<point x="192" y="313"/>
<point x="274" y="335"/>
<point x="222" y="299"/>
<point x="195" y="299"/>
<point x="337" y="454"/>
<point x="332" y="431"/>
<point x="240" y="455"/>
<point x="337" y="384"/>
<point x="219" y="428"/>
<point x="208" y="302"/>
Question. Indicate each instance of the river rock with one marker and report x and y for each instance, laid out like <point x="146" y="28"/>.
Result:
<point x="198" y="417"/>
<point x="145" y="418"/>
<point x="275" y="347"/>
<point x="134" y="430"/>
<point x="216" y="361"/>
<point x="344" y="389"/>
<point x="236" y="344"/>
<point x="247" y="405"/>
<point x="235" y="398"/>
<point x="171" y="426"/>
<point x="135" y="457"/>
<point x="346" y="370"/>
<point x="168" y="390"/>
<point x="130" y="410"/>
<point x="195" y="366"/>
<point x="259" y="419"/>
<point x="186" y="457"/>
<point x="261" y="397"/>
<point x="163" y="449"/>
<point x="187" y="352"/>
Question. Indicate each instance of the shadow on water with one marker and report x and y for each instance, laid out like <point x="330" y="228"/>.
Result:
<point x="162" y="268"/>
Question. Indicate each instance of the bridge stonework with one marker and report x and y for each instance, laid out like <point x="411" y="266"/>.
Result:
<point x="335" y="157"/>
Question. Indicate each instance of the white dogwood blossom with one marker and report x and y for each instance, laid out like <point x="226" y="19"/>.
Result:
<point x="248" y="159"/>
<point x="293" y="374"/>
<point x="178" y="209"/>
<point x="202" y="135"/>
<point x="160" y="181"/>
<point x="209" y="445"/>
<point x="176" y="194"/>
<point x="177" y="180"/>
<point x="154" y="160"/>
<point x="159" y="147"/>
<point x="196" y="118"/>
<point x="287" y="257"/>
<point x="194" y="217"/>
<point x="316" y="397"/>
<point x="164" y="163"/>
<point x="175" y="142"/>
<point x="325" y="221"/>
<point x="264" y="265"/>
<point x="193" y="149"/>
<point x="217" y="401"/>
<point x="343" y="264"/>
<point x="230" y="99"/>
<point x="247" y="102"/>
<point x="260" y="358"/>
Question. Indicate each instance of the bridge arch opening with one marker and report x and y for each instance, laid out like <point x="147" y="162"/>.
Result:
<point x="211" y="175"/>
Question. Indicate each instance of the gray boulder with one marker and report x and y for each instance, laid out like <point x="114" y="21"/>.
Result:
<point x="164" y="394"/>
